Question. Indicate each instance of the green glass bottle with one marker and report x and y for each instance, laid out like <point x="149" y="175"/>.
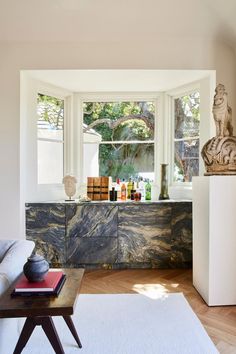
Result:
<point x="148" y="191"/>
<point x="129" y="188"/>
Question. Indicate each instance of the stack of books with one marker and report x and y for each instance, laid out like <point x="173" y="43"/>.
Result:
<point x="98" y="188"/>
<point x="51" y="285"/>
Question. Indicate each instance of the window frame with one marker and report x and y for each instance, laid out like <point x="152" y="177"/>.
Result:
<point x="172" y="95"/>
<point x="125" y="97"/>
<point x="65" y="122"/>
<point x="32" y="190"/>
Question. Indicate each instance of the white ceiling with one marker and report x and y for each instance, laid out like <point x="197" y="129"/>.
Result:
<point x="116" y="20"/>
<point x="118" y="80"/>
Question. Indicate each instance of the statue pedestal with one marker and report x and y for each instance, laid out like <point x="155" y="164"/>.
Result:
<point x="214" y="239"/>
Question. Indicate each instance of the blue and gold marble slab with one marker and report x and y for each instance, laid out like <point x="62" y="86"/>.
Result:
<point x="181" y="235"/>
<point x="96" y="250"/>
<point x="91" y="233"/>
<point x="112" y="235"/>
<point x="46" y="227"/>
<point x="91" y="220"/>
<point x="144" y="234"/>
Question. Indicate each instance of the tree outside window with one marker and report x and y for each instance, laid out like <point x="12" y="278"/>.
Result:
<point x="126" y="147"/>
<point x="186" y="137"/>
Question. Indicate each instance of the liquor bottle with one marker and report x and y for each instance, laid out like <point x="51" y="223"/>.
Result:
<point x="123" y="191"/>
<point x="118" y="189"/>
<point x="148" y="191"/>
<point x="137" y="194"/>
<point x="113" y="195"/>
<point x="129" y="188"/>
<point x="133" y="191"/>
<point x="142" y="188"/>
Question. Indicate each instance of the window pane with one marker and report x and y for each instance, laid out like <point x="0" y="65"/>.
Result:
<point x="126" y="160"/>
<point x="116" y="121"/>
<point x="187" y="115"/>
<point x="50" y="162"/>
<point x="50" y="111"/>
<point x="186" y="162"/>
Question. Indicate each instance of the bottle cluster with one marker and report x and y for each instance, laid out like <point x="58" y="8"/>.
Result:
<point x="131" y="190"/>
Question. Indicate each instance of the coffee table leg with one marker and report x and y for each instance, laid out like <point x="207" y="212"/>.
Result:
<point x="48" y="326"/>
<point x="26" y="332"/>
<point x="71" y="326"/>
<point x="51" y="333"/>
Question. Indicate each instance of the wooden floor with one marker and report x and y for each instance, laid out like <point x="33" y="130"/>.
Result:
<point x="219" y="322"/>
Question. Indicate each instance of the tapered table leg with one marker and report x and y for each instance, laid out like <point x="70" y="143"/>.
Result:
<point x="51" y="332"/>
<point x="48" y="326"/>
<point x="71" y="326"/>
<point x="26" y="332"/>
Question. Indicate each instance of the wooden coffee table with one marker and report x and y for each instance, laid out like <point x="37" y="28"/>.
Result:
<point x="39" y="311"/>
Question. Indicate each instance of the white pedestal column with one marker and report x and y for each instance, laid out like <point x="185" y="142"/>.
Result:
<point x="214" y="239"/>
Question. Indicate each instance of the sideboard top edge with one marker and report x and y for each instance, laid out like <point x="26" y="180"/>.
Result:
<point x="76" y="202"/>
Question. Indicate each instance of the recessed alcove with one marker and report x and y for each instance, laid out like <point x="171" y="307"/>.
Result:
<point x="77" y="86"/>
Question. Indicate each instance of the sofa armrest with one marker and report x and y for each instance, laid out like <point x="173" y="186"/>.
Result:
<point x="15" y="258"/>
<point x="4" y="247"/>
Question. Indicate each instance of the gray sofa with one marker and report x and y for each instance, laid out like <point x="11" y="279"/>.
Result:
<point x="13" y="255"/>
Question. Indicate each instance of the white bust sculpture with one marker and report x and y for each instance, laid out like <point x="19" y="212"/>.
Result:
<point x="69" y="185"/>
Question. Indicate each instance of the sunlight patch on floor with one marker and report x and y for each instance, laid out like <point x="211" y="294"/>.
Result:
<point x="154" y="291"/>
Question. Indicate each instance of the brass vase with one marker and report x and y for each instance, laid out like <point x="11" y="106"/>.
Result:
<point x="164" y="182"/>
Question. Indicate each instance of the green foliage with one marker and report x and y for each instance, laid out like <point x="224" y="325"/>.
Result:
<point x="51" y="110"/>
<point x="118" y="160"/>
<point x="188" y="114"/>
<point x="132" y="129"/>
<point x="187" y="122"/>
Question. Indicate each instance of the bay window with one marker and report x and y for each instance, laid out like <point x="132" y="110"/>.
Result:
<point x="117" y="134"/>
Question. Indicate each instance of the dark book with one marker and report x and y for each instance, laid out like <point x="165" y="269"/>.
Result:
<point x="54" y="292"/>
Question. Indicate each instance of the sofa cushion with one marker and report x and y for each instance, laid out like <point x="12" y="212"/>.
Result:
<point x="4" y="283"/>
<point x="15" y="258"/>
<point x="13" y="255"/>
<point x="4" y="247"/>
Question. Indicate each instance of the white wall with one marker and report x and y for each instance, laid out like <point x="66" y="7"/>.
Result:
<point x="169" y="53"/>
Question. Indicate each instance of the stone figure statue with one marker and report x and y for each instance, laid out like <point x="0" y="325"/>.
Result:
<point x="70" y="185"/>
<point x="219" y="153"/>
<point x="222" y="112"/>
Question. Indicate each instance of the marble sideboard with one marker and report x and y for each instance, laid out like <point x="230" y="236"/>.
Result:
<point x="112" y="234"/>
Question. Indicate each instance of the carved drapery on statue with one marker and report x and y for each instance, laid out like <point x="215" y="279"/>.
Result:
<point x="219" y="153"/>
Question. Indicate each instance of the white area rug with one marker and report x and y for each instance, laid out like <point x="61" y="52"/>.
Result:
<point x="129" y="324"/>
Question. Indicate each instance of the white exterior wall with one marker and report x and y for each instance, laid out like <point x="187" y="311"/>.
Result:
<point x="91" y="161"/>
<point x="190" y="53"/>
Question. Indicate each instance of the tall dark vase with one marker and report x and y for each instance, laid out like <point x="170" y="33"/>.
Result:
<point x="164" y="183"/>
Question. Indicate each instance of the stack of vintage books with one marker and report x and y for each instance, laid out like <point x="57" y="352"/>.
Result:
<point x="98" y="188"/>
<point x="51" y="285"/>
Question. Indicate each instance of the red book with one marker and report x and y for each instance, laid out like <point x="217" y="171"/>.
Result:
<point x="48" y="284"/>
